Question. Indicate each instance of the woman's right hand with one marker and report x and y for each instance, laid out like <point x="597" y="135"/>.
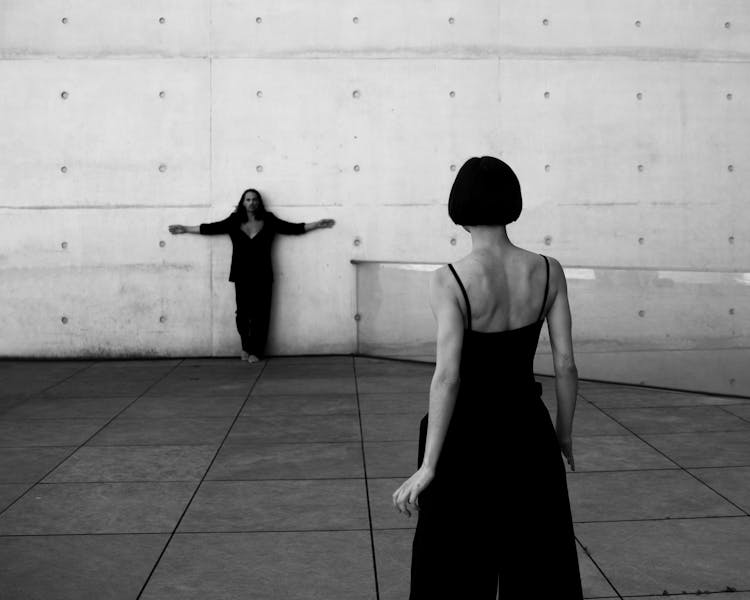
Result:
<point x="566" y="447"/>
<point x="175" y="229"/>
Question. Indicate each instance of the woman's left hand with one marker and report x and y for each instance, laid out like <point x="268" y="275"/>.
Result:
<point x="408" y="493"/>
<point x="325" y="223"/>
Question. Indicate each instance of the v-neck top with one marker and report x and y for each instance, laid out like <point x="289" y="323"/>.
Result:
<point x="251" y="256"/>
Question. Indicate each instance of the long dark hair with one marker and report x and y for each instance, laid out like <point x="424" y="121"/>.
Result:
<point x="242" y="212"/>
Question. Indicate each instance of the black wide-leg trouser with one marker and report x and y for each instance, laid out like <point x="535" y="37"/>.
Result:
<point x="253" y="314"/>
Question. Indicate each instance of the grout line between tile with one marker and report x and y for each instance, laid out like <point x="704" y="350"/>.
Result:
<point x="79" y="446"/>
<point x="367" y="487"/>
<point x="693" y="475"/>
<point x="197" y="487"/>
<point x="598" y="568"/>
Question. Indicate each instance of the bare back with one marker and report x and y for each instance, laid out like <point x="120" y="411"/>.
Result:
<point x="505" y="292"/>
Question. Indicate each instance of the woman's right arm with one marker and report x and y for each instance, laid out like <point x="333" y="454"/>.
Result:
<point x="566" y="373"/>
<point x="176" y="229"/>
<point x="216" y="228"/>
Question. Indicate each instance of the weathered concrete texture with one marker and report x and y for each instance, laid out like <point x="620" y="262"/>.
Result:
<point x="625" y="127"/>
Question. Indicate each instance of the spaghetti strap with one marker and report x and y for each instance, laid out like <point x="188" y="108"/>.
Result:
<point x="546" y="289"/>
<point x="466" y="296"/>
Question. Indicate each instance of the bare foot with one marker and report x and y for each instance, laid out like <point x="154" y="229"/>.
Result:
<point x="253" y="359"/>
<point x="244" y="355"/>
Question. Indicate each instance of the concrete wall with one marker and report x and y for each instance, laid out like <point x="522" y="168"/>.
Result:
<point x="622" y="119"/>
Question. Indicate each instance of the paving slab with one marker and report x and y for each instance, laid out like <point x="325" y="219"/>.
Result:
<point x="289" y="428"/>
<point x="69" y="408"/>
<point x="382" y="384"/>
<point x="614" y="396"/>
<point x="740" y="410"/>
<point x="616" y="453"/>
<point x="29" y="465"/>
<point x="48" y="432"/>
<point x="277" y="370"/>
<point x="706" y="449"/>
<point x="288" y="461"/>
<point x="335" y="504"/>
<point x="589" y="421"/>
<point x="649" y="557"/>
<point x="67" y="508"/>
<point x="643" y="495"/>
<point x="265" y="566"/>
<point x="26" y="378"/>
<point x="226" y="387"/>
<point x="377" y="427"/>
<point x="134" y="463"/>
<point x="10" y="492"/>
<point x="393" y="558"/>
<point x="183" y="431"/>
<point x="731" y="482"/>
<point x="676" y="419"/>
<point x="301" y="404"/>
<point x="157" y="407"/>
<point x="319" y="385"/>
<point x="78" y="387"/>
<point x="407" y="402"/>
<point x="71" y="567"/>
<point x="391" y="459"/>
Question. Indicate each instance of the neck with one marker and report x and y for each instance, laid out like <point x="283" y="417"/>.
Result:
<point x="489" y="238"/>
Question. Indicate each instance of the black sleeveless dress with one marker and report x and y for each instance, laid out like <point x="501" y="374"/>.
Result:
<point x="497" y="513"/>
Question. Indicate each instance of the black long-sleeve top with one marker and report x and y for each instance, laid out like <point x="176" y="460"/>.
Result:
<point x="251" y="257"/>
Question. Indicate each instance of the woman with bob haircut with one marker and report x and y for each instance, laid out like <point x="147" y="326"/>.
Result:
<point x="252" y="230"/>
<point x="491" y="490"/>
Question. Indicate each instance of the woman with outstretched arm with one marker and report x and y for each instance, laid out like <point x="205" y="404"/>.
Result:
<point x="252" y="230"/>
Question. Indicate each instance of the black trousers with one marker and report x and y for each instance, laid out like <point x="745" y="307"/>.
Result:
<point x="253" y="314"/>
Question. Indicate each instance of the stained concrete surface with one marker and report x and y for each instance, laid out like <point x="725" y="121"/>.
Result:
<point x="213" y="478"/>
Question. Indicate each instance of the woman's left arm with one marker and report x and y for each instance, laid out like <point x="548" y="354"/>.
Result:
<point x="443" y="389"/>
<point x="287" y="228"/>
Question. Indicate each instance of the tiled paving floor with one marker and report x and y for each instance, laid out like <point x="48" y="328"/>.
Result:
<point x="211" y="478"/>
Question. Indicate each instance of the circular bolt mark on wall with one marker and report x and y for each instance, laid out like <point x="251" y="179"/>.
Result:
<point x="162" y="243"/>
<point x="453" y="241"/>
<point x="547" y="240"/>
<point x="258" y="20"/>
<point x="545" y="22"/>
<point x="728" y="25"/>
<point x="731" y="239"/>
<point x="356" y="94"/>
<point x="259" y="169"/>
<point x="64" y="95"/>
<point x="730" y="168"/>
<point x="732" y="381"/>
<point x="162" y="20"/>
<point x="547" y="168"/>
<point x="640" y="168"/>
<point x="162" y="94"/>
<point x="641" y="240"/>
<point x="452" y="94"/>
<point x="162" y="319"/>
<point x="637" y="23"/>
<point x="356" y="168"/>
<point x="162" y="168"/>
<point x="357" y="317"/>
<point x="64" y="169"/>
<point x="641" y="313"/>
<point x="731" y="311"/>
<point x="259" y="93"/>
<point x="357" y="241"/>
<point x="64" y="320"/>
<point x="65" y="20"/>
<point x="64" y="245"/>
<point x="639" y="96"/>
<point x="546" y="95"/>
<point x="451" y="20"/>
<point x="355" y="20"/>
<point x="453" y="167"/>
<point x="729" y="96"/>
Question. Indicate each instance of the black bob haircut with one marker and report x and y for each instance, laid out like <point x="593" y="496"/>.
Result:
<point x="486" y="192"/>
